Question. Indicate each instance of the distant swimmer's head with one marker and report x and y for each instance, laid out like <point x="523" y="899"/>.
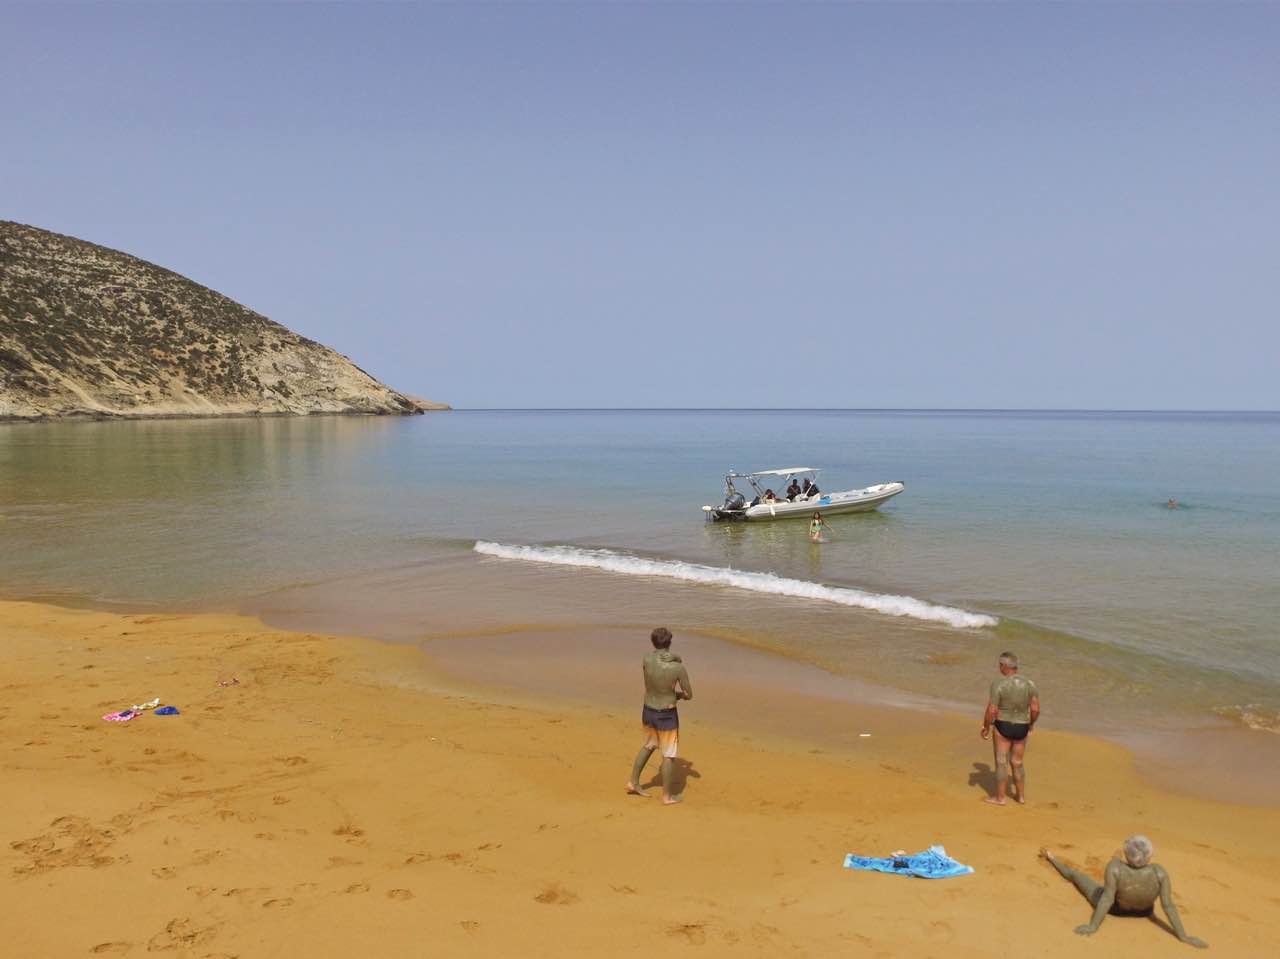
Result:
<point x="1008" y="663"/>
<point x="1172" y="504"/>
<point x="1138" y="851"/>
<point x="661" y="638"/>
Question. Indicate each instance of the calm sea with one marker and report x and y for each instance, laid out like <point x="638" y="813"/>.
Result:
<point x="1052" y="525"/>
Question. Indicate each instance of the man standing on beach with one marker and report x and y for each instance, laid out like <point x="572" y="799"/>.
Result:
<point x="1013" y="706"/>
<point x="666" y="681"/>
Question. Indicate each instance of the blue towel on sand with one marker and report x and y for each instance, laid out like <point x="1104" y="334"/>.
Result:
<point x="933" y="863"/>
<point x="167" y="711"/>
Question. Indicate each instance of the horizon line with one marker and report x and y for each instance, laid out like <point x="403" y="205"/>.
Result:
<point x="841" y="409"/>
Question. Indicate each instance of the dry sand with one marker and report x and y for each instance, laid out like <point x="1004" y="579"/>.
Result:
<point x="353" y="798"/>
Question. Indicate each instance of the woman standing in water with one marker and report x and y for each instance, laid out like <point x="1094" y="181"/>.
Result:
<point x="817" y="528"/>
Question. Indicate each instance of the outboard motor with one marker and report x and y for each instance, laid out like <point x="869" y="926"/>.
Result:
<point x="733" y="500"/>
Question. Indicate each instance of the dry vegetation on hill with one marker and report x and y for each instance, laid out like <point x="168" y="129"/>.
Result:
<point x="89" y="331"/>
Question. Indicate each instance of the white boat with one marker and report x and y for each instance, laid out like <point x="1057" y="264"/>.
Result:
<point x="771" y="503"/>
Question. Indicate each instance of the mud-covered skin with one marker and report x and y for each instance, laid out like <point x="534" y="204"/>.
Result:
<point x="1012" y="695"/>
<point x="1125" y="891"/>
<point x="1015" y="699"/>
<point x="666" y="681"/>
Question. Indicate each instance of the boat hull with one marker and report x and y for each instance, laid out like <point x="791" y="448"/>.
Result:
<point x="828" y="504"/>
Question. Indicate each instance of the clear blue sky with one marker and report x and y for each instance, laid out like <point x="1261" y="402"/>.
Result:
<point x="706" y="205"/>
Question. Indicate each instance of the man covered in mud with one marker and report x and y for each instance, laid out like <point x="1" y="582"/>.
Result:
<point x="1013" y="706"/>
<point x="666" y="682"/>
<point x="1129" y="888"/>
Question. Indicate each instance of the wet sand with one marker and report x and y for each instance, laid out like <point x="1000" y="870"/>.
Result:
<point x="354" y="797"/>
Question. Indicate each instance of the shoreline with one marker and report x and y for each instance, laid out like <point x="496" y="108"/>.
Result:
<point x="797" y="694"/>
<point x="350" y="794"/>
<point x="1206" y="759"/>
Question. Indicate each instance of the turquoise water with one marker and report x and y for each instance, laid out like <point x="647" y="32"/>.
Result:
<point x="1052" y="522"/>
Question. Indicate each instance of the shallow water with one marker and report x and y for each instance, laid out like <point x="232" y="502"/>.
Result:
<point x="1053" y="523"/>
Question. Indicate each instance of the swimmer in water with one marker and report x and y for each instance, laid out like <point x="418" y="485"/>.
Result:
<point x="1129" y="888"/>
<point x="1013" y="706"/>
<point x="1172" y="504"/>
<point x="817" y="528"/>
<point x="666" y="682"/>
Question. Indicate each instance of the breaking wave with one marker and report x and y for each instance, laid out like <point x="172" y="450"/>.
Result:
<point x="612" y="562"/>
<point x="1252" y="716"/>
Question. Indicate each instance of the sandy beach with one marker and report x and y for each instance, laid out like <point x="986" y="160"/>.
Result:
<point x="353" y="797"/>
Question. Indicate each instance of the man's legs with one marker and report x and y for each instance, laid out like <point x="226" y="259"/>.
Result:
<point x="642" y="757"/>
<point x="1016" y="753"/>
<point x="668" y="767"/>
<point x="1000" y="749"/>
<point x="668" y="742"/>
<point x="1089" y="887"/>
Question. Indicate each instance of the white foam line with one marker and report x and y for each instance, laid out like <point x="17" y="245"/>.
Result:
<point x="613" y="562"/>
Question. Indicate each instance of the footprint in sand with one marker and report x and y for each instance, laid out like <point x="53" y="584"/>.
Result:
<point x="940" y="930"/>
<point x="400" y="895"/>
<point x="180" y="934"/>
<point x="693" y="932"/>
<point x="556" y="895"/>
<point x="164" y="872"/>
<point x="357" y="887"/>
<point x="277" y="903"/>
<point x="111" y="948"/>
<point x="470" y="925"/>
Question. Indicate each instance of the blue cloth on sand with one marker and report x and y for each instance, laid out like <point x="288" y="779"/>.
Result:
<point x="933" y="863"/>
<point x="167" y="711"/>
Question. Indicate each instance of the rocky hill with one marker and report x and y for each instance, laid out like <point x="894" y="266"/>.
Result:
<point x="88" y="331"/>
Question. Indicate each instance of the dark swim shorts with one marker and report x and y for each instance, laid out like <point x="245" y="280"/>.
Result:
<point x="661" y="719"/>
<point x="1014" y="732"/>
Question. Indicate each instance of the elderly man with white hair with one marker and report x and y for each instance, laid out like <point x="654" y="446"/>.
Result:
<point x="1130" y="888"/>
<point x="1013" y="706"/>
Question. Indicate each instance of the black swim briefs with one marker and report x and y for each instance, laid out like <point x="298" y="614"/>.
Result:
<point x="1014" y="732"/>
<point x="661" y="718"/>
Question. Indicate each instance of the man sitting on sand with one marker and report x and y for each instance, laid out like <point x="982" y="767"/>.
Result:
<point x="1129" y="888"/>
<point x="666" y="681"/>
<point x="1013" y="706"/>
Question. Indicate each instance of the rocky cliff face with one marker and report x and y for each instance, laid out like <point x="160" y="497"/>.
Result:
<point x="88" y="331"/>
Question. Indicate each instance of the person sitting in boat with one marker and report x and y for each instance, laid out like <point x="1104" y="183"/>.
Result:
<point x="804" y="490"/>
<point x="813" y="490"/>
<point x="793" y="491"/>
<point x="769" y="496"/>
